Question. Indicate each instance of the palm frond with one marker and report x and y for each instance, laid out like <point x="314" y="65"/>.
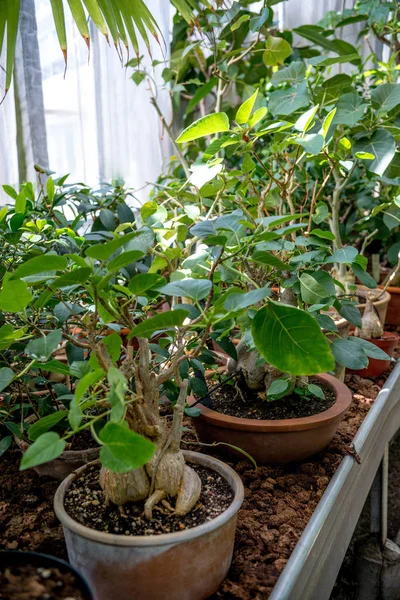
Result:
<point x="123" y="20"/>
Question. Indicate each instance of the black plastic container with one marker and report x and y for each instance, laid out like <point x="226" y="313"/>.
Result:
<point x="15" y="558"/>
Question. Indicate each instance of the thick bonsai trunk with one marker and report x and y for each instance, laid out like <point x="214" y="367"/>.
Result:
<point x="166" y="475"/>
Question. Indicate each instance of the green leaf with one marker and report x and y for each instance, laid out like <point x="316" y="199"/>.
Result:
<point x="350" y="312"/>
<point x="45" y="423"/>
<point x="196" y="289"/>
<point x="328" y="122"/>
<point x="244" y="111"/>
<point x="316" y="287"/>
<point x="103" y="251"/>
<point x="385" y="97"/>
<point x="8" y="335"/>
<point x="39" y="264"/>
<point x="201" y="92"/>
<point x="305" y="121"/>
<point x="141" y="283"/>
<point x="74" y="277"/>
<point x="214" y="123"/>
<point x="50" y="189"/>
<point x="326" y="322"/>
<point x="278" y="389"/>
<point x="345" y="255"/>
<point x="315" y="34"/>
<point x="289" y="100"/>
<point x="75" y="414"/>
<point x="326" y="235"/>
<point x="6" y="377"/>
<point x="10" y="191"/>
<point x="349" y="354"/>
<point x="86" y="382"/>
<point x="257" y="22"/>
<point x="382" y="145"/>
<point x="276" y="51"/>
<point x="293" y="74"/>
<point x="41" y="348"/>
<point x="291" y="340"/>
<point x="349" y="109"/>
<point x="334" y="87"/>
<point x="5" y="443"/>
<point x="370" y="348"/>
<point x="124" y="450"/>
<point x="123" y="260"/>
<point x="267" y="258"/>
<point x="14" y="296"/>
<point x="236" y="302"/>
<point x="59" y="21"/>
<point x="258" y="116"/>
<point x="54" y="366"/>
<point x="312" y="143"/>
<point x="363" y="276"/>
<point x="20" y="203"/>
<point x="160" y="322"/>
<point x="316" y="390"/>
<point x="323" y="61"/>
<point x="46" y="448"/>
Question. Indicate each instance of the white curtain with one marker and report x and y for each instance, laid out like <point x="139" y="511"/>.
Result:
<point x="99" y="124"/>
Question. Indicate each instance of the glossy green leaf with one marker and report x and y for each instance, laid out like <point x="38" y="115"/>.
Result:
<point x="382" y="146"/>
<point x="289" y="100"/>
<point x="214" y="123"/>
<point x="370" y="348"/>
<point x="276" y="51"/>
<point x="293" y="74"/>
<point x="349" y="109"/>
<point x="41" y="348"/>
<point x="39" y="264"/>
<point x="345" y="255"/>
<point x="86" y="382"/>
<point x="141" y="283"/>
<point x="105" y="250"/>
<point x="302" y="347"/>
<point x="196" y="289"/>
<point x="244" y="111"/>
<point x="160" y="322"/>
<point x="349" y="354"/>
<point x="5" y="443"/>
<point x="46" y="448"/>
<point x="6" y="377"/>
<point x="124" y="450"/>
<point x="278" y="389"/>
<point x="316" y="287"/>
<point x="235" y="302"/>
<point x="123" y="260"/>
<point x="14" y="296"/>
<point x="385" y="97"/>
<point x="45" y="423"/>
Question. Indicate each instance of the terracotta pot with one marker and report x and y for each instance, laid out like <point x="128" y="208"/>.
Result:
<point x="379" y="367"/>
<point x="393" y="310"/>
<point x="381" y="305"/>
<point x="15" y="558"/>
<point x="185" y="565"/>
<point x="275" y="441"/>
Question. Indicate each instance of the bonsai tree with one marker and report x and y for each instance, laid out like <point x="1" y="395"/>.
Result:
<point x="122" y="376"/>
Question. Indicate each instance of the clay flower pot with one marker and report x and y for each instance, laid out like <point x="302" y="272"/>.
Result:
<point x="15" y="558"/>
<point x="65" y="464"/>
<point x="275" y="441"/>
<point x="381" y="305"/>
<point x="379" y="367"/>
<point x="184" y="565"/>
<point x="393" y="309"/>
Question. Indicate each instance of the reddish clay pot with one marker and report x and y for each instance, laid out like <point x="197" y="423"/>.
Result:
<point x="393" y="310"/>
<point x="379" y="367"/>
<point x="275" y="442"/>
<point x="65" y="464"/>
<point x="185" y="565"/>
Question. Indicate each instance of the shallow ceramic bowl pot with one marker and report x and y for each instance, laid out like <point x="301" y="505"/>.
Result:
<point x="186" y="565"/>
<point x="271" y="441"/>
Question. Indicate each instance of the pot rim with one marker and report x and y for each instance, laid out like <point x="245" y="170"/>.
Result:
<point x="343" y="401"/>
<point x="388" y="336"/>
<point x="53" y="560"/>
<point x="385" y="297"/>
<point x="391" y="288"/>
<point x="163" y="539"/>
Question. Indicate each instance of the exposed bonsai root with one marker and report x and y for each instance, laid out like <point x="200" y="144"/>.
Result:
<point x="371" y="326"/>
<point x="189" y="491"/>
<point x="151" y="502"/>
<point x="120" y="488"/>
<point x="169" y="472"/>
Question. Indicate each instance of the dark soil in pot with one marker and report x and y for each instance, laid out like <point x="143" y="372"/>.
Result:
<point x="251" y="404"/>
<point x="84" y="502"/>
<point x="32" y="576"/>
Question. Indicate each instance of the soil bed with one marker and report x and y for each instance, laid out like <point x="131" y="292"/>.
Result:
<point x="32" y="583"/>
<point x="250" y="405"/>
<point x="84" y="502"/>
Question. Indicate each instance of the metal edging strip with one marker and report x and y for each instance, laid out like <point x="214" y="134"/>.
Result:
<point x="312" y="568"/>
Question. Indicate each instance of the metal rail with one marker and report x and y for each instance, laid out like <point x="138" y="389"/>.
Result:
<point x="311" y="571"/>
